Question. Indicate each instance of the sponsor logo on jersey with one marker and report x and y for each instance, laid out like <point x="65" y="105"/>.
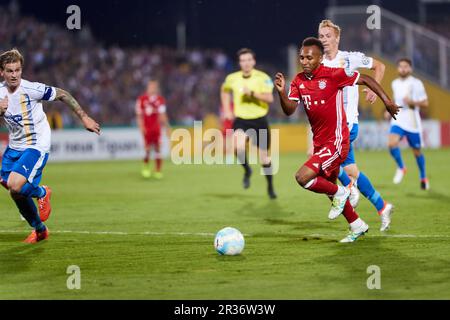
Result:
<point x="14" y="119"/>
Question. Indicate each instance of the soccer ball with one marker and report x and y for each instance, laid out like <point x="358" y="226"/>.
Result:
<point x="229" y="242"/>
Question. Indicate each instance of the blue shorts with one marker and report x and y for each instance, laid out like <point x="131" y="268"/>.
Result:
<point x="414" y="139"/>
<point x="351" y="153"/>
<point x="28" y="163"/>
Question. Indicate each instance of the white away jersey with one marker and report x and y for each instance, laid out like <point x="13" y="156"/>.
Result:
<point x="408" y="119"/>
<point x="25" y="118"/>
<point x="350" y="61"/>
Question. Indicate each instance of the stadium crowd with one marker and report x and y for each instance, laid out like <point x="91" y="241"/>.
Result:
<point x="107" y="81"/>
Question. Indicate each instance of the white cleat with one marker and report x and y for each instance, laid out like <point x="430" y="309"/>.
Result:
<point x="386" y="217"/>
<point x="22" y="218"/>
<point x="399" y="174"/>
<point x="338" y="204"/>
<point x="354" y="196"/>
<point x="355" y="234"/>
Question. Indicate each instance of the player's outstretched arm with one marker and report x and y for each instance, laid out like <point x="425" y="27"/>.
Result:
<point x="89" y="123"/>
<point x="373" y="85"/>
<point x="378" y="73"/>
<point x="288" y="106"/>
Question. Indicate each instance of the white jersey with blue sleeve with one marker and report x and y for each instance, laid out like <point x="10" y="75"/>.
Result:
<point x="25" y="118"/>
<point x="351" y="61"/>
<point x="408" y="118"/>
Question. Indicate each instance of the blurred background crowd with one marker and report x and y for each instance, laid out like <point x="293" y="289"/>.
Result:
<point x="107" y="79"/>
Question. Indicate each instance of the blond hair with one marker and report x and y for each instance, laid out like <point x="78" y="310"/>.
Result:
<point x="329" y="24"/>
<point x="10" y="56"/>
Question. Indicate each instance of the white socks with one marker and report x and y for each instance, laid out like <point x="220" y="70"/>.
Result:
<point x="340" y="192"/>
<point x="358" y="223"/>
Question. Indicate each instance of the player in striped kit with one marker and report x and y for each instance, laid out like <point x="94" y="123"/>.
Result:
<point x="29" y="140"/>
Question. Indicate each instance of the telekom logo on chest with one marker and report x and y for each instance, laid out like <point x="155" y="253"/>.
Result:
<point x="308" y="103"/>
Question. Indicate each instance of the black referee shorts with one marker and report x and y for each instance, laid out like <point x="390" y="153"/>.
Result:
<point x="259" y="138"/>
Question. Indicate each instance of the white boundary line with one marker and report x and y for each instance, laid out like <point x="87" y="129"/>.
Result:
<point x="119" y="233"/>
<point x="205" y="234"/>
<point x="386" y="235"/>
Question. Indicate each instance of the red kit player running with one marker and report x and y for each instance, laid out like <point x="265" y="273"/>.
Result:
<point x="320" y="90"/>
<point x="151" y="117"/>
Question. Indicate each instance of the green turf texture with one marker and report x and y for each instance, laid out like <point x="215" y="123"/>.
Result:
<point x="292" y="250"/>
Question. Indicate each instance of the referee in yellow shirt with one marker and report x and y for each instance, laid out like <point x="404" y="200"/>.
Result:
<point x="251" y="91"/>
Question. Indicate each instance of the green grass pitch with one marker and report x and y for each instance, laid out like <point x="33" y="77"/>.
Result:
<point x="158" y="236"/>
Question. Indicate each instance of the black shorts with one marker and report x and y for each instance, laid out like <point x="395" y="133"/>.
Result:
<point x="259" y="137"/>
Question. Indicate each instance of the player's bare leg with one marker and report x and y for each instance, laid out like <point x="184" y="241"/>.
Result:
<point x="240" y="142"/>
<point x="394" y="141"/>
<point x="4" y="184"/>
<point x="146" y="172"/>
<point x="309" y="179"/>
<point x="17" y="186"/>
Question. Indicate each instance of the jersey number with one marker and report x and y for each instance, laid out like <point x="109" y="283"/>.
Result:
<point x="325" y="152"/>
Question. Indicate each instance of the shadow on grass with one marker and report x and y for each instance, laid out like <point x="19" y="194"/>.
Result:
<point x="299" y="225"/>
<point x="430" y="195"/>
<point x="349" y="265"/>
<point x="17" y="257"/>
<point x="263" y="208"/>
<point x="230" y="258"/>
<point x="231" y="195"/>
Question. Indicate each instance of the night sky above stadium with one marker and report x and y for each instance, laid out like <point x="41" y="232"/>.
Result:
<point x="267" y="26"/>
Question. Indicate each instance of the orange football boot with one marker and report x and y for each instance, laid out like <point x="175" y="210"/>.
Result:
<point x="44" y="204"/>
<point x="36" y="237"/>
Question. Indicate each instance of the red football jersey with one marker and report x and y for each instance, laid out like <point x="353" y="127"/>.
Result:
<point x="149" y="108"/>
<point x="322" y="99"/>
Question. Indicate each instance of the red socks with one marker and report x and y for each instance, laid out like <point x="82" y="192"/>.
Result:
<point x="158" y="164"/>
<point x="322" y="185"/>
<point x="349" y="213"/>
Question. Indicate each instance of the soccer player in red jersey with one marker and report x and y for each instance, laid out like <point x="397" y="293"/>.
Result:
<point x="320" y="90"/>
<point x="151" y="116"/>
